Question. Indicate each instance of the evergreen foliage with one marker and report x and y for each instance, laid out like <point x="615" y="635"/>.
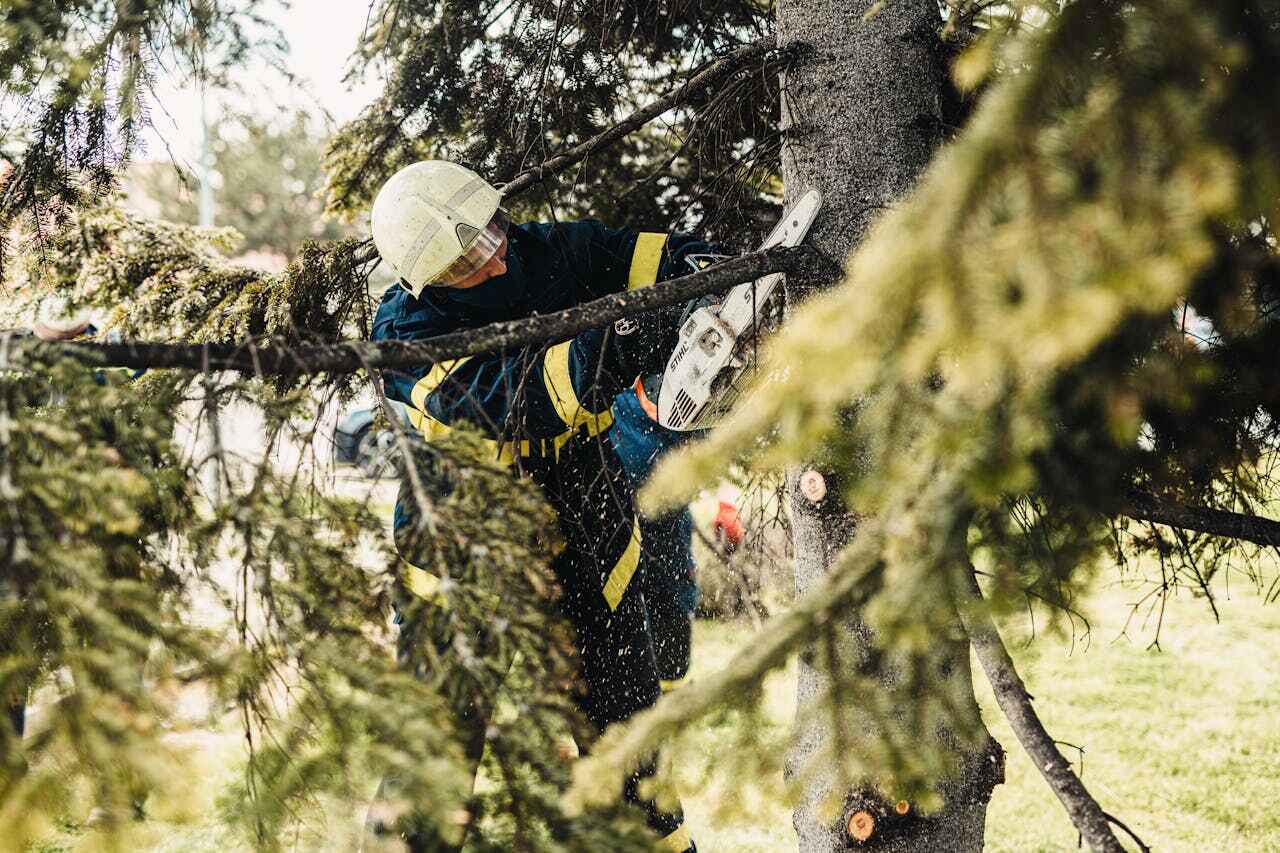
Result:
<point x="502" y="86"/>
<point x="79" y="74"/>
<point x="92" y="495"/>
<point x="1015" y="336"/>
<point x="1079" y="301"/>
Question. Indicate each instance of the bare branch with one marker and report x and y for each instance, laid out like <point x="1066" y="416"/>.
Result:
<point x="1217" y="522"/>
<point x="350" y="356"/>
<point x="1011" y="694"/>
<point x="712" y="74"/>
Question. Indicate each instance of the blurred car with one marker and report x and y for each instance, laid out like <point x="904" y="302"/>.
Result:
<point x="359" y="441"/>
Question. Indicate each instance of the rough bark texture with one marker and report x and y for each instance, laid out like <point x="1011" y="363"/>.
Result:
<point x="862" y="116"/>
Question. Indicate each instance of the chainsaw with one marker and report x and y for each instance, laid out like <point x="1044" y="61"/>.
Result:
<point x="717" y="346"/>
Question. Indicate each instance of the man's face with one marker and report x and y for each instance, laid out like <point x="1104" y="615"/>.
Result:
<point x="495" y="266"/>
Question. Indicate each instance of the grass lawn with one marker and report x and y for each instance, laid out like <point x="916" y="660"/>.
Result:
<point x="1182" y="743"/>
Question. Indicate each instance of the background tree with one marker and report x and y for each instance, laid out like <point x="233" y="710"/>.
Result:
<point x="268" y="185"/>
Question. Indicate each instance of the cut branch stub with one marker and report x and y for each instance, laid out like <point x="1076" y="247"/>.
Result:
<point x="813" y="486"/>
<point x="861" y="826"/>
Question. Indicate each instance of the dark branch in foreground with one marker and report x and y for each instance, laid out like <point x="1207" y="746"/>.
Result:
<point x="1218" y="522"/>
<point x="710" y="75"/>
<point x="350" y="356"/>
<point x="1013" y="699"/>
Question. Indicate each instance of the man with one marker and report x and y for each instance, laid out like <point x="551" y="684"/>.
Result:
<point x="462" y="265"/>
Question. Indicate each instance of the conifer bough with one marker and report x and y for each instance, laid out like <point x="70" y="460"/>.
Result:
<point x="350" y="356"/>
<point x="713" y="73"/>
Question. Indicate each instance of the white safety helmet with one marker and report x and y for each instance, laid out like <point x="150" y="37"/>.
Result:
<point x="436" y="223"/>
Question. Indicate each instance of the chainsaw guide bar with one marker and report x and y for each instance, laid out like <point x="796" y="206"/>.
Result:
<point x="717" y="346"/>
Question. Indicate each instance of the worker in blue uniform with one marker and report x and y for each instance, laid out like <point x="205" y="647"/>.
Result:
<point x="545" y="409"/>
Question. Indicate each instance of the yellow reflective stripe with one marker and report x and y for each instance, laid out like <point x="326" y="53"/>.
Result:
<point x="433" y="429"/>
<point x="435" y="376"/>
<point x="646" y="259"/>
<point x="670" y="684"/>
<point x="678" y="841"/>
<point x="622" y="570"/>
<point x="426" y="586"/>
<point x="420" y="581"/>
<point x="559" y="389"/>
<point x="427" y="425"/>
<point x="559" y="383"/>
<point x="596" y="424"/>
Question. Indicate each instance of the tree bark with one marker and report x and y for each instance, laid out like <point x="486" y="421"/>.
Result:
<point x="862" y="116"/>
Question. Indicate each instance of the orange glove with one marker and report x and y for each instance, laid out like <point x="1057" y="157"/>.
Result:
<point x="728" y="527"/>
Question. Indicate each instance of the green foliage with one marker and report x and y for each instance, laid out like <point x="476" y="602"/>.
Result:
<point x="79" y="73"/>
<point x="1014" y="328"/>
<point x="92" y="493"/>
<point x="151" y="278"/>
<point x="108" y="558"/>
<point x="491" y="644"/>
<point x="1012" y="355"/>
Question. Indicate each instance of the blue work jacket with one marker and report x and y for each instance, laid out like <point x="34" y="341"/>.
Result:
<point x="530" y="401"/>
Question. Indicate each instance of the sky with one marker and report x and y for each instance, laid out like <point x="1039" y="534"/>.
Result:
<point x="321" y="34"/>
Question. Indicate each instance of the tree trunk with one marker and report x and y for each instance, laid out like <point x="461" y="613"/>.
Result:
<point x="862" y="116"/>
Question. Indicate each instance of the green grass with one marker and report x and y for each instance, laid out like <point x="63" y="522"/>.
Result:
<point x="1182" y="743"/>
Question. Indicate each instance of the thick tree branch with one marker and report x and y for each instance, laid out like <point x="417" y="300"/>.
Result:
<point x="350" y="356"/>
<point x="712" y="74"/>
<point x="1218" y="522"/>
<point x="1011" y="694"/>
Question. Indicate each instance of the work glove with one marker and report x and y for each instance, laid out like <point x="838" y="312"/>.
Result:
<point x="643" y="343"/>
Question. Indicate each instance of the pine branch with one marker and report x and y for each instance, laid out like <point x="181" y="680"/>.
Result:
<point x="350" y="356"/>
<point x="1217" y="522"/>
<point x="704" y="79"/>
<point x="1013" y="699"/>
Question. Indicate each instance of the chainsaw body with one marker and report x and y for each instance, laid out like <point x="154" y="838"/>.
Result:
<point x="717" y="344"/>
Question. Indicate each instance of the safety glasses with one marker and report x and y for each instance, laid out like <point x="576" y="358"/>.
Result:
<point x="483" y="246"/>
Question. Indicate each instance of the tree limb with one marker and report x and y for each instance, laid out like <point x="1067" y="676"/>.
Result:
<point x="350" y="356"/>
<point x="710" y="75"/>
<point x="1011" y="694"/>
<point x="1217" y="522"/>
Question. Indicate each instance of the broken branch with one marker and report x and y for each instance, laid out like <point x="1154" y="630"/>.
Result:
<point x="1219" y="522"/>
<point x="1013" y="699"/>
